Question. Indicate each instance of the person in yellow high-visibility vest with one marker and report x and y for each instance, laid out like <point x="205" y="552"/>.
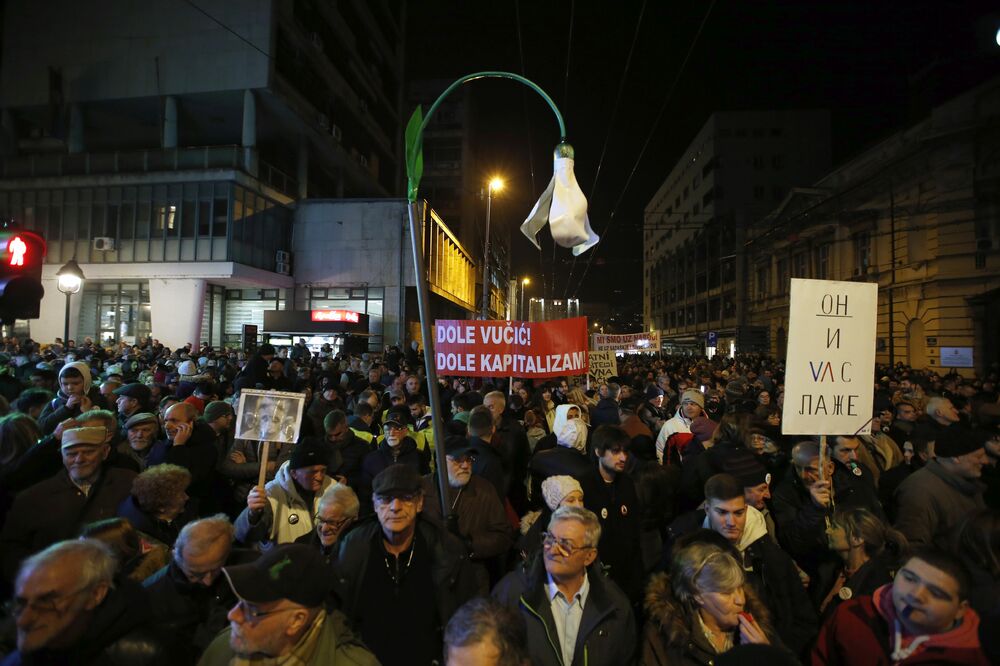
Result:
<point x="422" y="419"/>
<point x="424" y="439"/>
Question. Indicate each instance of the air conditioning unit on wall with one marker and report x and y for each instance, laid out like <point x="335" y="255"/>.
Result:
<point x="103" y="244"/>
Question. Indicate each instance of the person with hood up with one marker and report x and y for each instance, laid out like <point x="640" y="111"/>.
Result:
<point x="675" y="435"/>
<point x="922" y="617"/>
<point x="76" y="395"/>
<point x="284" y="509"/>
<point x="568" y="457"/>
<point x="563" y="413"/>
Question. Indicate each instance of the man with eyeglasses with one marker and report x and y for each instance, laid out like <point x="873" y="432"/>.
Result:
<point x="399" y="565"/>
<point x="188" y="597"/>
<point x="280" y="615"/>
<point x="396" y="447"/>
<point x="575" y="614"/>
<point x="337" y="512"/>
<point x="479" y="518"/>
<point x="52" y="510"/>
<point x="68" y="609"/>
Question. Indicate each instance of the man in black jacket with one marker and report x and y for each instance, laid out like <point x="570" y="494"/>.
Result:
<point x="347" y="450"/>
<point x="607" y="412"/>
<point x="189" y="598"/>
<point x="189" y="443"/>
<point x="610" y="493"/>
<point x="404" y="567"/>
<point x="69" y="610"/>
<point x="769" y="569"/>
<point x="55" y="509"/>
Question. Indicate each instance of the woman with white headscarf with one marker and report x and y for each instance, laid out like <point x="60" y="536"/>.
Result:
<point x="567" y="457"/>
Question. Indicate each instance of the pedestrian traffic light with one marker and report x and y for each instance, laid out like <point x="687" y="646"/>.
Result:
<point x="21" y="256"/>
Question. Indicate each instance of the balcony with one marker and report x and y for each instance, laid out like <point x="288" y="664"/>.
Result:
<point x="48" y="165"/>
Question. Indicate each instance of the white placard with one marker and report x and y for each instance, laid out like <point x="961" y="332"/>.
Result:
<point x="830" y="365"/>
<point x="630" y="342"/>
<point x="271" y="416"/>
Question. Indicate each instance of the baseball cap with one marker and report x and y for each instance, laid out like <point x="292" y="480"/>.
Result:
<point x="292" y="571"/>
<point x="91" y="436"/>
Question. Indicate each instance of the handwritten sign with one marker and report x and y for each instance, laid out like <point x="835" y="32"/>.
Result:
<point x="603" y="366"/>
<point x="511" y="348"/>
<point x="830" y="366"/>
<point x="631" y="342"/>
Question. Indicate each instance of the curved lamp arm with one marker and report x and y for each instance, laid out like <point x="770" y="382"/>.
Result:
<point x="418" y="122"/>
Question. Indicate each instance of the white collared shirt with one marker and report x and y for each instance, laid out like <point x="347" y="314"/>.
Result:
<point x="567" y="615"/>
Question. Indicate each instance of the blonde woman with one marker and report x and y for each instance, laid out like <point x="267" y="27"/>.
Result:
<point x="703" y="608"/>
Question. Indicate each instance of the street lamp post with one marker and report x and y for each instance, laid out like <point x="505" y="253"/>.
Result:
<point x="495" y="185"/>
<point x="520" y="304"/>
<point x="414" y="170"/>
<point x="70" y="282"/>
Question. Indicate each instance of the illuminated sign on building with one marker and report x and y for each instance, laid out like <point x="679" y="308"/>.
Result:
<point x="335" y="315"/>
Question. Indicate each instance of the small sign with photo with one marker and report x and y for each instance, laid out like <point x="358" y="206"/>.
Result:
<point x="270" y="416"/>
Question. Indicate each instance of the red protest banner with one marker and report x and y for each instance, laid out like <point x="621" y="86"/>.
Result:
<point x="511" y="348"/>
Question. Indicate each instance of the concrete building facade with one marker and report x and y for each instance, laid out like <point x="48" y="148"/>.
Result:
<point x="164" y="147"/>
<point x="738" y="167"/>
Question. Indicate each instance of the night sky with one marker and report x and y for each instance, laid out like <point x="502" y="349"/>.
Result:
<point x="876" y="65"/>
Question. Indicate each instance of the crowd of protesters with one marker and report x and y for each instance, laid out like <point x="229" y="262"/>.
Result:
<point x="662" y="517"/>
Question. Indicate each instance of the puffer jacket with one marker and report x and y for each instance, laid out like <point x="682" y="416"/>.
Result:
<point x="671" y="636"/>
<point x="286" y="516"/>
<point x="607" y="628"/>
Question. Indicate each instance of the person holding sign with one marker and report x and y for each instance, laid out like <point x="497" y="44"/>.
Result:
<point x="283" y="510"/>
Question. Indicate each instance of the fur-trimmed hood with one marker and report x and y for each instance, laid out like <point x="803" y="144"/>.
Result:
<point x="674" y="620"/>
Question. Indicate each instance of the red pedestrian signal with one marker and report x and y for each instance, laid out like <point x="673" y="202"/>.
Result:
<point x="17" y="249"/>
<point x="21" y="256"/>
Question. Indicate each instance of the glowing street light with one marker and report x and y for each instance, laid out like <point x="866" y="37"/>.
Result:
<point x="495" y="185"/>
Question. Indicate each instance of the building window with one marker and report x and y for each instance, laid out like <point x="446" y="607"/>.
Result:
<point x="763" y="288"/>
<point x="783" y="275"/>
<point x="777" y="162"/>
<point x="823" y="261"/>
<point x="758" y="162"/>
<point x="800" y="265"/>
<point x="758" y="192"/>
<point x="862" y="252"/>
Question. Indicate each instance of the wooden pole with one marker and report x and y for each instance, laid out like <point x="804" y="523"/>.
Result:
<point x="822" y="457"/>
<point x="262" y="474"/>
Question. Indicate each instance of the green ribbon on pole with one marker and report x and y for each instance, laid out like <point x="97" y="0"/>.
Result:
<point x="414" y="154"/>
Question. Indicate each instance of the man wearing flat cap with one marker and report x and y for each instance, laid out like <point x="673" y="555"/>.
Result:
<point x="141" y="430"/>
<point x="55" y="509"/>
<point x="131" y="399"/>
<point x="284" y="509"/>
<point x="400" y="565"/>
<point x="280" y="615"/>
